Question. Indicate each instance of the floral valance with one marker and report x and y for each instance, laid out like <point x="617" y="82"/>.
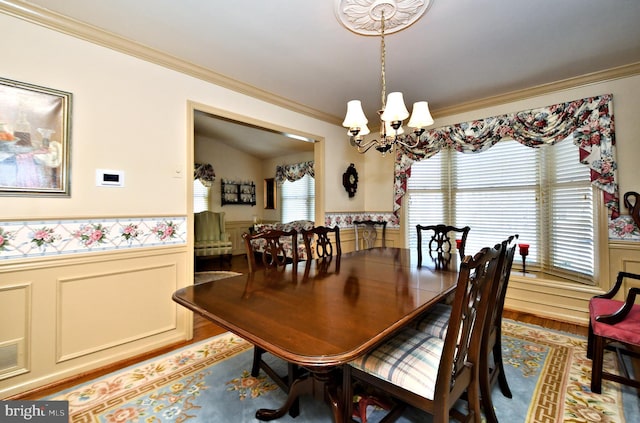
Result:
<point x="204" y="173"/>
<point x="589" y="120"/>
<point x="293" y="172"/>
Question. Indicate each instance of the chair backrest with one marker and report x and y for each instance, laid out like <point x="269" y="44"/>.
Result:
<point x="366" y="231"/>
<point x="494" y="321"/>
<point x="440" y="241"/>
<point x="318" y="244"/>
<point x="274" y="251"/>
<point x="209" y="226"/>
<point x="464" y="334"/>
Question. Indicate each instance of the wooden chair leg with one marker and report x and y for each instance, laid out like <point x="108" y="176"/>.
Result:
<point x="596" y="364"/>
<point x="485" y="394"/>
<point x="590" y="342"/>
<point x="499" y="367"/>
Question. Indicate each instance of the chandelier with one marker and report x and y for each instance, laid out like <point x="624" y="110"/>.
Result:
<point x="393" y="111"/>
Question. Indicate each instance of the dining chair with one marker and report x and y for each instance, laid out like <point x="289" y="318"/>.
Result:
<point x="440" y="239"/>
<point x="273" y="249"/>
<point x="426" y="371"/>
<point x="366" y="230"/>
<point x="614" y="325"/>
<point x="318" y="243"/>
<point x="492" y="370"/>
<point x="273" y="257"/>
<point x="435" y="323"/>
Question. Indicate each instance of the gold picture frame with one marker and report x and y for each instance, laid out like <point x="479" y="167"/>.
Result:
<point x="35" y="128"/>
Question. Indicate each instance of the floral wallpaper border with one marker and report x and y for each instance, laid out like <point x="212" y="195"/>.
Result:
<point x="623" y="228"/>
<point x="29" y="239"/>
<point x="620" y="229"/>
<point x="346" y="219"/>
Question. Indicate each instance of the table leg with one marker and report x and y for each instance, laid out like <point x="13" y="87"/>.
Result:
<point x="323" y="385"/>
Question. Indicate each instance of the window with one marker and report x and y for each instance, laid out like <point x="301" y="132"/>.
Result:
<point x="543" y="194"/>
<point x="298" y="199"/>
<point x="200" y="196"/>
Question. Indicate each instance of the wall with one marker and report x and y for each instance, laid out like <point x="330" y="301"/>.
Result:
<point x="230" y="163"/>
<point x="129" y="115"/>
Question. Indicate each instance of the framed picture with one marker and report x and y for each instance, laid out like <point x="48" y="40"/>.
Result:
<point x="35" y="128"/>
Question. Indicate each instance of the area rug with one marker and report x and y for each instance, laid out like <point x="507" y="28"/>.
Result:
<point x="547" y="371"/>
<point x="201" y="277"/>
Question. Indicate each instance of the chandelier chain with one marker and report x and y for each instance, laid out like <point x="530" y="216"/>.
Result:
<point x="382" y="63"/>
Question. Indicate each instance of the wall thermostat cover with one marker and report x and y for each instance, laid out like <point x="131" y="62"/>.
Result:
<point x="109" y="178"/>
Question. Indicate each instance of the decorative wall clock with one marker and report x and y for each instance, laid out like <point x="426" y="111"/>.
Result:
<point x="350" y="180"/>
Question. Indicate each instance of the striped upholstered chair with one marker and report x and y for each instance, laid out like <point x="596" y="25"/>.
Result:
<point x="492" y="370"/>
<point x="438" y="371"/>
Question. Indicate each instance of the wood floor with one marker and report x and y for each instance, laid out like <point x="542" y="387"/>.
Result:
<point x="204" y="329"/>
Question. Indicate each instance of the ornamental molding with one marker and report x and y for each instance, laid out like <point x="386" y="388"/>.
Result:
<point x="364" y="16"/>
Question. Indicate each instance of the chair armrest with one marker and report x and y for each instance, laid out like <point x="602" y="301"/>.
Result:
<point x="618" y="316"/>
<point x="225" y="236"/>
<point x="616" y="287"/>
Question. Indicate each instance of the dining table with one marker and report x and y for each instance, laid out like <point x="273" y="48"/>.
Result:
<point x="321" y="314"/>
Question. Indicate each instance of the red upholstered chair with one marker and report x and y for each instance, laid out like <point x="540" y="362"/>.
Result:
<point x="613" y="325"/>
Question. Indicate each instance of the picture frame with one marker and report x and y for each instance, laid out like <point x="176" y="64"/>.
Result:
<point x="35" y="140"/>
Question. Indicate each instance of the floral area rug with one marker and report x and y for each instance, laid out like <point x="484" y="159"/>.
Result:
<point x="547" y="371"/>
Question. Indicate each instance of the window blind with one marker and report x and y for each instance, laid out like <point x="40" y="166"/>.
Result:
<point x="298" y="199"/>
<point x="200" y="197"/>
<point x="543" y="194"/>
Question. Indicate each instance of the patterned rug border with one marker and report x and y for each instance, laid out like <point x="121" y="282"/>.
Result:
<point x="94" y="398"/>
<point x="98" y="395"/>
<point x="580" y="404"/>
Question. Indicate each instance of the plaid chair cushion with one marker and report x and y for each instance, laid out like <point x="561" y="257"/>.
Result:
<point x="409" y="360"/>
<point x="436" y="321"/>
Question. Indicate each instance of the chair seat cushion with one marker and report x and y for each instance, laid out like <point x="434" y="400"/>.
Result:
<point x="409" y="360"/>
<point x="436" y="321"/>
<point x="627" y="331"/>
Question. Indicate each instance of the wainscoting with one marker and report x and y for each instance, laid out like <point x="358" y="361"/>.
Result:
<point x="65" y="316"/>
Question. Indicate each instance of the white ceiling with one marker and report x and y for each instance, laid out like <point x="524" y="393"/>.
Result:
<point x="459" y="51"/>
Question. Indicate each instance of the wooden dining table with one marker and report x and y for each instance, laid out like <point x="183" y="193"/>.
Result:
<point x="320" y="315"/>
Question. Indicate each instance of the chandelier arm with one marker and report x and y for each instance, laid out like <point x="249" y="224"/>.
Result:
<point x="363" y="147"/>
<point x="400" y="140"/>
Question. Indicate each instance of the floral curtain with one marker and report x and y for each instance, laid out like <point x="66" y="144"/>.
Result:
<point x="204" y="173"/>
<point x="293" y="172"/>
<point x="589" y="120"/>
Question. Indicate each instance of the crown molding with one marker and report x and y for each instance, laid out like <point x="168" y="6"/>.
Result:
<point x="57" y="22"/>
<point x="565" y="84"/>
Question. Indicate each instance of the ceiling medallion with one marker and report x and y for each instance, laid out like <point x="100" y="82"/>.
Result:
<point x="364" y="16"/>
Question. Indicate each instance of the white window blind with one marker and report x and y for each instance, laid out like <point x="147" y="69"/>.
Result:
<point x="200" y="197"/>
<point x="542" y="194"/>
<point x="298" y="199"/>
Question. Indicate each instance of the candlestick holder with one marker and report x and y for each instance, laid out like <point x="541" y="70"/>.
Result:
<point x="524" y="252"/>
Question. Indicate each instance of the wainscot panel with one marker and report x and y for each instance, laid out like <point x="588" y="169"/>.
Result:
<point x="81" y="312"/>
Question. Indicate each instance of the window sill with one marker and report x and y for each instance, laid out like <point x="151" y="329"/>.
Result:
<point x="552" y="281"/>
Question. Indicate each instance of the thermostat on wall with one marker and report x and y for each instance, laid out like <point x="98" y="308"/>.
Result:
<point x="109" y="178"/>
